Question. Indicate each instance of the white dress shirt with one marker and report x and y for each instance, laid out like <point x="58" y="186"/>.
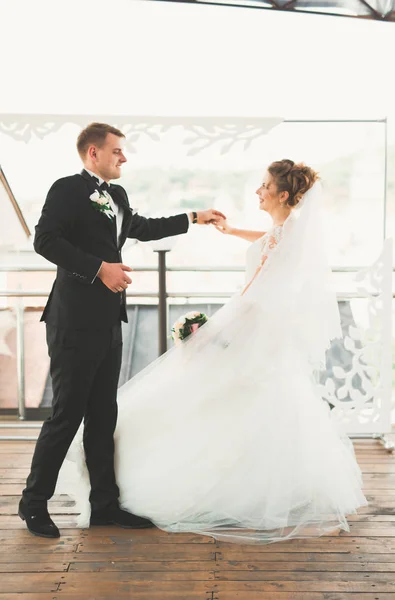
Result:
<point x="117" y="210"/>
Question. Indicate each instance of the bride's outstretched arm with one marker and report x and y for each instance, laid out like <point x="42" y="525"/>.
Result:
<point x="245" y="234"/>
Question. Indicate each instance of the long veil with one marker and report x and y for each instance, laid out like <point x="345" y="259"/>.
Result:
<point x="297" y="279"/>
<point x="198" y="435"/>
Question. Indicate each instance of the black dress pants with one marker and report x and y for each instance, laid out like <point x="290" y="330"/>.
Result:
<point x="85" y="366"/>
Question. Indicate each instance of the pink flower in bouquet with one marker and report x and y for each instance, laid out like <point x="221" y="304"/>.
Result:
<point x="187" y="324"/>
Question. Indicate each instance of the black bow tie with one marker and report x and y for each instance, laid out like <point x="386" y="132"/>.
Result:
<point x="103" y="186"/>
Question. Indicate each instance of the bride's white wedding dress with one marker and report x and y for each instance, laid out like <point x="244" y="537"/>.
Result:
<point x="226" y="434"/>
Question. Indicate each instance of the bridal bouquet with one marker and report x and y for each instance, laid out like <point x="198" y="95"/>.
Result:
<point x="187" y="324"/>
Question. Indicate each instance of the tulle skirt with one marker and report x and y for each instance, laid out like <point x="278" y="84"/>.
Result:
<point x="227" y="435"/>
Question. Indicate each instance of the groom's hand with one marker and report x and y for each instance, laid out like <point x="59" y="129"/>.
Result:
<point x="113" y="275"/>
<point x="207" y="217"/>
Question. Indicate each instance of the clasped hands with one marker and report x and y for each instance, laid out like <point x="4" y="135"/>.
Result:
<point x="114" y="275"/>
<point x="209" y="217"/>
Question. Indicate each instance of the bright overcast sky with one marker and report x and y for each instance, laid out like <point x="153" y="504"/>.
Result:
<point x="140" y="57"/>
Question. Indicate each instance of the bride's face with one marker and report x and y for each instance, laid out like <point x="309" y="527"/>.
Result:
<point x="268" y="194"/>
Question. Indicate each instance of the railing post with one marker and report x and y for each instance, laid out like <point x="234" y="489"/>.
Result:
<point x="385" y="178"/>
<point x="20" y="357"/>
<point x="162" y="307"/>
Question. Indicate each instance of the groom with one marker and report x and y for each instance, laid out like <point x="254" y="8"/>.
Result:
<point x="84" y="223"/>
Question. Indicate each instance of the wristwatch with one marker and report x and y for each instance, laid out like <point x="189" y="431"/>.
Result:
<point x="194" y="217"/>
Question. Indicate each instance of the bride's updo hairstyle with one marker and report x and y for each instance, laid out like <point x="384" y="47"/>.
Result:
<point x="296" y="179"/>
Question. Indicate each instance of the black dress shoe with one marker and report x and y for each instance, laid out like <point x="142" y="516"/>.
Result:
<point x="38" y="521"/>
<point x="119" y="517"/>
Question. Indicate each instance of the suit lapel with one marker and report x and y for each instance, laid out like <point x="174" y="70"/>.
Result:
<point x="91" y="183"/>
<point x="93" y="187"/>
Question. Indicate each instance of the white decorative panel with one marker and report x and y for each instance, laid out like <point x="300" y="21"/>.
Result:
<point x="359" y="385"/>
<point x="198" y="133"/>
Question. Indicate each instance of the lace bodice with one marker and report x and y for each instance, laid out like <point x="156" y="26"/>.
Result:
<point x="261" y="248"/>
<point x="270" y="240"/>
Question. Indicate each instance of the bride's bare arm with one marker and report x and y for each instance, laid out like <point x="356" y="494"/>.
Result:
<point x="245" y="234"/>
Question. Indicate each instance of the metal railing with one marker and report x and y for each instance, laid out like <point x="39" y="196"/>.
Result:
<point x="175" y="269"/>
<point x="162" y="296"/>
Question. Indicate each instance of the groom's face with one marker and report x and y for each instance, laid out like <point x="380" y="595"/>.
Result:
<point x="110" y="157"/>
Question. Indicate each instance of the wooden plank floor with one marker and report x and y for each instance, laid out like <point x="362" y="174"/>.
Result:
<point x="110" y="563"/>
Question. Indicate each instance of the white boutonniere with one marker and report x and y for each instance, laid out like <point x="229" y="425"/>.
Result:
<point x="101" y="202"/>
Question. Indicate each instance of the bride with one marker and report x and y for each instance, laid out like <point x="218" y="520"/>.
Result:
<point x="226" y="434"/>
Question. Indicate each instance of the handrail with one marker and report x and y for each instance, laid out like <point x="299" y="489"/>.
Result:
<point x="181" y="269"/>
<point x="208" y="294"/>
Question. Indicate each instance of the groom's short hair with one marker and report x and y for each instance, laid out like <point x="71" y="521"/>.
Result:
<point x="96" y="134"/>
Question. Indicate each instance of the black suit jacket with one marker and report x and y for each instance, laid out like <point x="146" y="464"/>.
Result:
<point x="76" y="237"/>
